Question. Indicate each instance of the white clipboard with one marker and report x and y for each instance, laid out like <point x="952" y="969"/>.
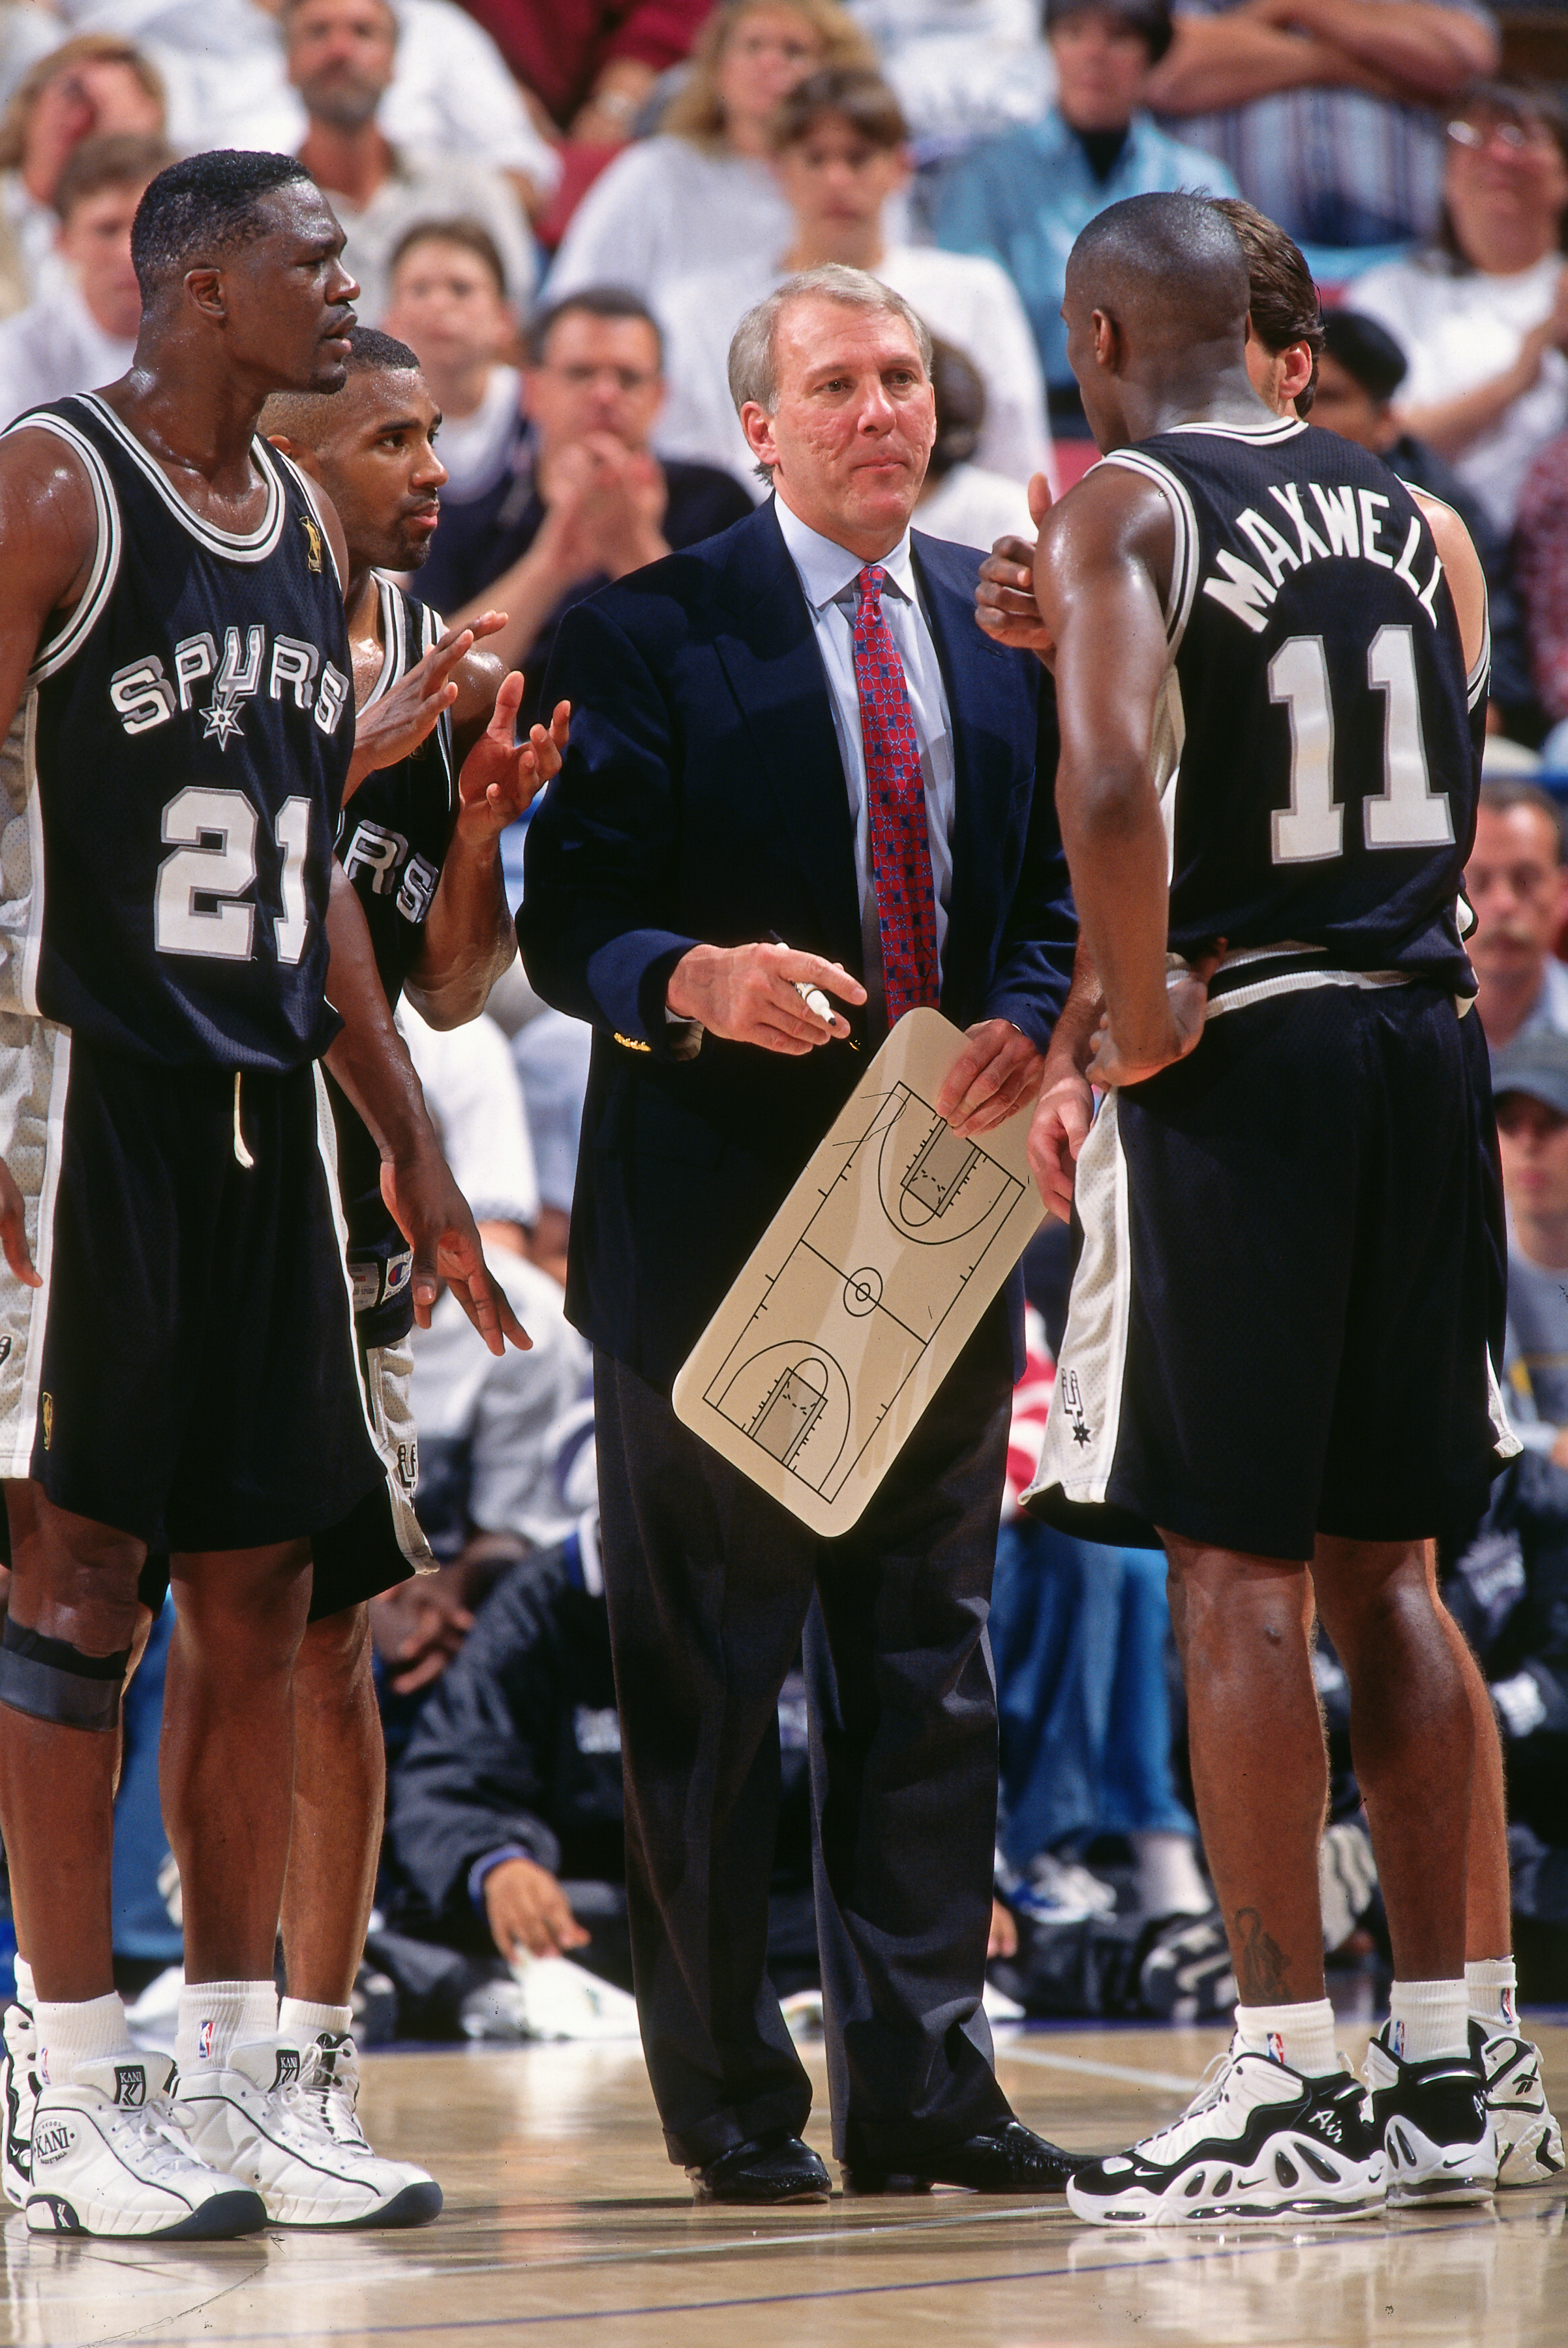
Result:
<point x="864" y="1289"/>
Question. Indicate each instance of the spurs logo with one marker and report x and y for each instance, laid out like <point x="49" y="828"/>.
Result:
<point x="408" y="1465"/>
<point x="1070" y="1395"/>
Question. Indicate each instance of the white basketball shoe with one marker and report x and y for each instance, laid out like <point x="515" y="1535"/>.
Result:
<point x="1529" y="2141"/>
<point x="281" y="2118"/>
<point x="110" y="2155"/>
<point x="1257" y="2142"/>
<point x="19" y="2094"/>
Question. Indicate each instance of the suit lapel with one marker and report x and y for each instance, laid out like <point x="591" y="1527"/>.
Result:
<point x="769" y="655"/>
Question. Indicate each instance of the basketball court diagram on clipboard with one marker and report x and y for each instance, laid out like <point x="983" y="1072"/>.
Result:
<point x="866" y="1285"/>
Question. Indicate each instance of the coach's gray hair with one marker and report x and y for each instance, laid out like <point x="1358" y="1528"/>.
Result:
<point x="753" y="361"/>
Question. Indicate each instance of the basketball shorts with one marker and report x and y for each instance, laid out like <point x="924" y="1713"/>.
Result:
<point x="187" y="1371"/>
<point x="1287" y="1312"/>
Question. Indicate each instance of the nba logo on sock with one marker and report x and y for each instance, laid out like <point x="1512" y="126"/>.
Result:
<point x="204" y="2041"/>
<point x="1397" y="2035"/>
<point x="1509" y="2011"/>
<point x="1275" y="2041"/>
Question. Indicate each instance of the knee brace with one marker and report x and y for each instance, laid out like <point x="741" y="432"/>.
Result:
<point x="51" y="1680"/>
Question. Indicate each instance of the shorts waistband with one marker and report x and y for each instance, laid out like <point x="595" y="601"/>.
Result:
<point x="1259" y="973"/>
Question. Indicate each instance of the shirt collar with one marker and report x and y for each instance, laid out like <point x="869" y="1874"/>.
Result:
<point x="827" y="570"/>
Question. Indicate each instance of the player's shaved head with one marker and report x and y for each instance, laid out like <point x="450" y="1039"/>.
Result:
<point x="1168" y="269"/>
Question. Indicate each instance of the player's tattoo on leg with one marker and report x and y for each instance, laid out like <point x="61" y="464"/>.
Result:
<point x="1262" y="1966"/>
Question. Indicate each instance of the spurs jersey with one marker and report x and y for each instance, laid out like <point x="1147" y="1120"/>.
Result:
<point x="392" y="839"/>
<point x="1319" y="741"/>
<point x="188" y="728"/>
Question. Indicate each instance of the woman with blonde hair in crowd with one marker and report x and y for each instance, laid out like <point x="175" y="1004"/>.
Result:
<point x="93" y="87"/>
<point x="701" y="193"/>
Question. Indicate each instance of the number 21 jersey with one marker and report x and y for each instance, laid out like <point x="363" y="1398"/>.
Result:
<point x="1323" y="731"/>
<point x="188" y="728"/>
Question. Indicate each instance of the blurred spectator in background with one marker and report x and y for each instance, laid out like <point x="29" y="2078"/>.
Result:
<point x="592" y="64"/>
<point x="447" y="300"/>
<point x="1482" y="314"/>
<point x="1361" y="370"/>
<point x="83" y="334"/>
<point x="1327" y="110"/>
<point x="1023" y="198"/>
<point x="27" y="32"/>
<point x="701" y="194"/>
<point x="582" y="500"/>
<point x="87" y="87"/>
<point x="550" y="1055"/>
<point x="962" y="70"/>
<point x="839" y="143"/>
<point x="340" y="56"/>
<point x="1517" y="886"/>
<point x="223" y="66"/>
<point x="1529" y="1084"/>
<point x="963" y="500"/>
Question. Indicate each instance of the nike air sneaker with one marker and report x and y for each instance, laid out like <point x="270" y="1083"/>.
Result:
<point x="1435" y="2127"/>
<point x="1257" y="2142"/>
<point x="280" y="2118"/>
<point x="1529" y="2141"/>
<point x="18" y="2094"/>
<point x="110" y="2156"/>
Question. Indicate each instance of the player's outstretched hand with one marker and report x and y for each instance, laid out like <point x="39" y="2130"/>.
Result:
<point x="14" y="1229"/>
<point x="996" y="1072"/>
<point x="749" y="996"/>
<point x="1060" y="1129"/>
<point x="1187" y="1003"/>
<point x="399" y="722"/>
<point x="500" y="776"/>
<point x="1004" y="602"/>
<point x="433" y="1216"/>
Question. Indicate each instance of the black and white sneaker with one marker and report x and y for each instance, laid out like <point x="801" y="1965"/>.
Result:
<point x="1258" y="2142"/>
<point x="1433" y="2121"/>
<point x="18" y="2097"/>
<point x="1529" y="2141"/>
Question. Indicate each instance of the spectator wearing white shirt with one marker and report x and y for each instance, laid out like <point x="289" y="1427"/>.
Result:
<point x="88" y="87"/>
<point x="962" y="70"/>
<point x="222" y="62"/>
<point x="701" y="194"/>
<point x="84" y="334"/>
<point x="341" y="56"/>
<point x="839" y="149"/>
<point x="1482" y="314"/>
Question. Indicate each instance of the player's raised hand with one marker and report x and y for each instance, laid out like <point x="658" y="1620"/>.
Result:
<point x="1005" y="603"/>
<point x="750" y="995"/>
<point x="399" y="720"/>
<point x="500" y="776"/>
<point x="1060" y="1127"/>
<point x="14" y="1229"/>
<point x="996" y="1072"/>
<point x="433" y="1216"/>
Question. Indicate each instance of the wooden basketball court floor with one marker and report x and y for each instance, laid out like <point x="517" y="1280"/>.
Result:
<point x="564" y="2223"/>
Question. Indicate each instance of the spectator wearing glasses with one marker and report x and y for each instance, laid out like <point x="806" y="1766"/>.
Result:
<point x="1482" y="314"/>
<point x="88" y="87"/>
<point x="584" y="500"/>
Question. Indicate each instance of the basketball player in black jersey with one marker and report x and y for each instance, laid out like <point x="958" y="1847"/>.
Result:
<point x="192" y="1380"/>
<point x="1279" y="1345"/>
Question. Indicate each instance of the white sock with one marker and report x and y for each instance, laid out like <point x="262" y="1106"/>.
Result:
<point x="298" y="2018"/>
<point x="1170" y="1880"/>
<point x="1428" y="2019"/>
<point x="83" y="2030"/>
<point x="1491" y="1985"/>
<point x="1299" y="2036"/>
<point x="25" y="1994"/>
<point x="217" y="2016"/>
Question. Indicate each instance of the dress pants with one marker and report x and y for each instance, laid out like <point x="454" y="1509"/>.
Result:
<point x="710" y="1584"/>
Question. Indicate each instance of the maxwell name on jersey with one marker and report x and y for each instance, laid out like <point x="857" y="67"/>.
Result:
<point x="216" y="687"/>
<point x="1352" y="522"/>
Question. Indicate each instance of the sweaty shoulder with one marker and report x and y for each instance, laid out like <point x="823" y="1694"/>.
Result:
<point x="48" y="519"/>
<point x="1116" y="514"/>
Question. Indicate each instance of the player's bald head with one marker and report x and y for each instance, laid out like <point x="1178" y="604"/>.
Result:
<point x="1168" y="269"/>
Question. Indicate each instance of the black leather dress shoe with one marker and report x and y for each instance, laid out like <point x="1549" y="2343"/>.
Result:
<point x="1010" y="2159"/>
<point x="770" y="2168"/>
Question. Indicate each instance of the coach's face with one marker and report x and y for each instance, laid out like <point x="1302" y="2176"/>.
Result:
<point x="286" y="296"/>
<point x="851" y="428"/>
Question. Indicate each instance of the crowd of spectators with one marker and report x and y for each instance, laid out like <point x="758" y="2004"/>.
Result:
<point x="564" y="207"/>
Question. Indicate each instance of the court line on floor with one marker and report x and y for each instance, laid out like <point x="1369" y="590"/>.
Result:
<point x="475" y="2323"/>
<point x="1086" y="2069"/>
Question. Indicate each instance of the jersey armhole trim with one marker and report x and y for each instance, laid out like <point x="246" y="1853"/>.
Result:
<point x="1185" y="523"/>
<point x="1480" y="678"/>
<point x="54" y="652"/>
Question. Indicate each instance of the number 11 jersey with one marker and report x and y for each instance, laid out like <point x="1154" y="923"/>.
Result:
<point x="188" y="732"/>
<point x="1318" y="746"/>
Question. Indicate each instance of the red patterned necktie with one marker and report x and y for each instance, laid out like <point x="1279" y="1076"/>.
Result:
<point x="900" y="848"/>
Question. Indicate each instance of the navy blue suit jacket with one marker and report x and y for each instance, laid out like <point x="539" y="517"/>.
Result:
<point x="703" y="800"/>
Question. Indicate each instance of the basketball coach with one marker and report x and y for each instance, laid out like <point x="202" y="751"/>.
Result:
<point x="795" y="758"/>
